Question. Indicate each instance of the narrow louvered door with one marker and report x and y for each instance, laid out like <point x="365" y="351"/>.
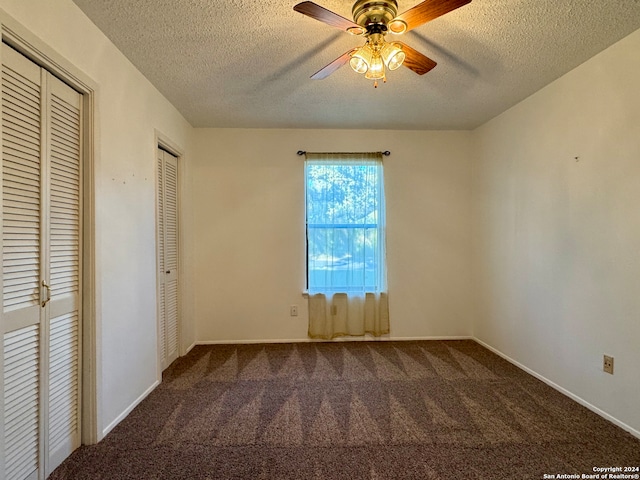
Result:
<point x="23" y="246"/>
<point x="167" y="257"/>
<point x="63" y="389"/>
<point x="41" y="153"/>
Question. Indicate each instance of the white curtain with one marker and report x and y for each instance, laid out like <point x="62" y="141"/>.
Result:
<point x="346" y="261"/>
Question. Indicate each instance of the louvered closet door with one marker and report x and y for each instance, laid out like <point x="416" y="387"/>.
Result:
<point x="41" y="119"/>
<point x="167" y="257"/>
<point x="22" y="269"/>
<point x="64" y="147"/>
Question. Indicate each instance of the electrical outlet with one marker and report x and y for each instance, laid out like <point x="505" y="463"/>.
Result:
<point x="607" y="364"/>
<point x="293" y="310"/>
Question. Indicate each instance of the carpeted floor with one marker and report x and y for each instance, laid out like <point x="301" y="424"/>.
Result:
<point x="352" y="410"/>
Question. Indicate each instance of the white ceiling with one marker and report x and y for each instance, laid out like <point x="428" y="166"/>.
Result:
<point x="246" y="63"/>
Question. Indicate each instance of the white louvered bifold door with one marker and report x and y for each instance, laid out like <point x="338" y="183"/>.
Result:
<point x="40" y="269"/>
<point x="167" y="257"/>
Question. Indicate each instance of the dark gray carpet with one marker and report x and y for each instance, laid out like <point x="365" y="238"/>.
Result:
<point x="357" y="410"/>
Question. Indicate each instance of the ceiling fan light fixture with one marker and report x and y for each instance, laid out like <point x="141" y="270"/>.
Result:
<point x="373" y="19"/>
<point x="392" y="55"/>
<point x="376" y="68"/>
<point x="361" y="60"/>
<point x="397" y="26"/>
<point x="358" y="65"/>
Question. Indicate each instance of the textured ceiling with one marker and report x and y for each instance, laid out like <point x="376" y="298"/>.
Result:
<point x="246" y="63"/>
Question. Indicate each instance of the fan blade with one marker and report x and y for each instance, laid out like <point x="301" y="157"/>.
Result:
<point x="416" y="61"/>
<point x="317" y="12"/>
<point x="428" y="10"/>
<point x="333" y="66"/>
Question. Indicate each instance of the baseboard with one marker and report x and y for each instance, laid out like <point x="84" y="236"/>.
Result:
<point x="562" y="390"/>
<point x="129" y="409"/>
<point x="343" y="339"/>
<point x="190" y="347"/>
<point x="442" y="338"/>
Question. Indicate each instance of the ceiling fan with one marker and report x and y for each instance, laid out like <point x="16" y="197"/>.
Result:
<point x="373" y="19"/>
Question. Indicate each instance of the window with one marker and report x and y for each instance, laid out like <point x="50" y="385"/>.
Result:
<point x="345" y="216"/>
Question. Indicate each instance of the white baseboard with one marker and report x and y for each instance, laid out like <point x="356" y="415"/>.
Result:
<point x="341" y="339"/>
<point x="562" y="390"/>
<point x="129" y="409"/>
<point x="444" y="338"/>
<point x="190" y="347"/>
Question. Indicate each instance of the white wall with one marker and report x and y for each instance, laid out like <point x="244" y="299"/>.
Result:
<point x="557" y="231"/>
<point x="129" y="109"/>
<point x="248" y="197"/>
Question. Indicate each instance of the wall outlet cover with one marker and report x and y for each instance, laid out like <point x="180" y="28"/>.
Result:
<point x="607" y="364"/>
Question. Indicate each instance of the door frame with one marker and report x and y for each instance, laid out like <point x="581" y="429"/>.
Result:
<point x="28" y="44"/>
<point x="164" y="142"/>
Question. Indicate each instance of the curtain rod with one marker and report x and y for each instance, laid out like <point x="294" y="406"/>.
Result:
<point x="386" y="153"/>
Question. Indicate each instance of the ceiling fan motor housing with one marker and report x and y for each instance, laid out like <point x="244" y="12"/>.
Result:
<point x="374" y="12"/>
